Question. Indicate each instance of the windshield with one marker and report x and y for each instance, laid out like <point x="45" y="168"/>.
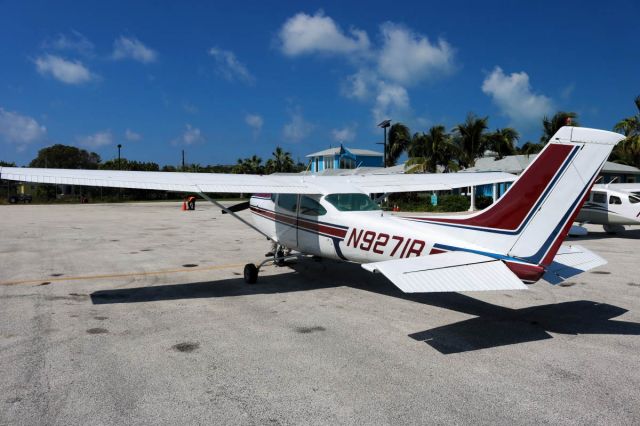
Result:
<point x="352" y="202"/>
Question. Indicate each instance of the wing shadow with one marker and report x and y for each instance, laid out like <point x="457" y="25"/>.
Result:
<point x="282" y="283"/>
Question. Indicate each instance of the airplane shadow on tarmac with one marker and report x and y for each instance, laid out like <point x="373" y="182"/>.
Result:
<point x="492" y="326"/>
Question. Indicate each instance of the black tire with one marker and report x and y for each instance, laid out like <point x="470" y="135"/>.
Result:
<point x="250" y="273"/>
<point x="279" y="255"/>
<point x="13" y="200"/>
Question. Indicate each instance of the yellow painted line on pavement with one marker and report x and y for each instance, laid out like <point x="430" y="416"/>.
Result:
<point x="121" y="275"/>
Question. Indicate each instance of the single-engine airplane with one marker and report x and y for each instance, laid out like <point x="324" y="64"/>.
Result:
<point x="614" y="206"/>
<point x="516" y="240"/>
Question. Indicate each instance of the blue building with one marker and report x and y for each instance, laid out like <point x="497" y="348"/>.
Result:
<point x="344" y="158"/>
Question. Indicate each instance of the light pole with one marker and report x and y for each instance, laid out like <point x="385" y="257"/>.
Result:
<point x="384" y="125"/>
<point x="119" y="168"/>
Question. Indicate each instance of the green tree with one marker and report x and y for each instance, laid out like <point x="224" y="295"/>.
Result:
<point x="7" y="164"/>
<point x="124" y="164"/>
<point x="280" y="163"/>
<point x="551" y="125"/>
<point x="249" y="166"/>
<point x="429" y="150"/>
<point x="471" y="139"/>
<point x="398" y="141"/>
<point x="628" y="151"/>
<point x="530" y="148"/>
<point x="65" y="157"/>
<point x="503" y="142"/>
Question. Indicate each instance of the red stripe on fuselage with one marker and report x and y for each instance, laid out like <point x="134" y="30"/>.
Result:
<point x="510" y="210"/>
<point x="303" y="224"/>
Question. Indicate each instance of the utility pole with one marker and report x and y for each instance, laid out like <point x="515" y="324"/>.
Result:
<point x="183" y="160"/>
<point x="119" y="168"/>
<point x="384" y="125"/>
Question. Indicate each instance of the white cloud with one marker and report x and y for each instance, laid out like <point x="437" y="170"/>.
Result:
<point x="132" y="48"/>
<point x="403" y="59"/>
<point x="66" y="71"/>
<point x="392" y="101"/>
<point x="190" y="136"/>
<point x="345" y="134"/>
<point x="297" y="129"/>
<point x="96" y="140"/>
<point x="513" y="95"/>
<point x="254" y="121"/>
<point x="132" y="136"/>
<point x="74" y="41"/>
<point x="407" y="57"/>
<point x="359" y="85"/>
<point x="228" y="66"/>
<point x="20" y="130"/>
<point x="304" y="33"/>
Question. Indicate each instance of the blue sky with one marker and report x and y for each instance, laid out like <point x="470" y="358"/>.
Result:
<point x="224" y="80"/>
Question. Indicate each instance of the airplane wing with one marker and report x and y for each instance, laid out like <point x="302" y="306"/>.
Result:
<point x="451" y="271"/>
<point x="252" y="184"/>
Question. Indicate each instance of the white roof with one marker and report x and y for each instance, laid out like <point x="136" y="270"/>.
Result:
<point x="354" y="151"/>
<point x="517" y="163"/>
<point x="358" y="171"/>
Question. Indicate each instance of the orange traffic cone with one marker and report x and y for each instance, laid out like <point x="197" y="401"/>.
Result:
<point x="184" y="205"/>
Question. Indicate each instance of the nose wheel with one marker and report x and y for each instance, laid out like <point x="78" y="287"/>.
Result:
<point x="279" y="259"/>
<point x="250" y="273"/>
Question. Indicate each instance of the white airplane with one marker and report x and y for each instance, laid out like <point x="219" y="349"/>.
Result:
<point x="613" y="206"/>
<point x="517" y="240"/>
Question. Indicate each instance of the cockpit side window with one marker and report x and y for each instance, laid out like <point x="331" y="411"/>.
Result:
<point x="310" y="207"/>
<point x="634" y="199"/>
<point x="288" y="202"/>
<point x="599" y="197"/>
<point x="352" y="202"/>
<point x="614" y="200"/>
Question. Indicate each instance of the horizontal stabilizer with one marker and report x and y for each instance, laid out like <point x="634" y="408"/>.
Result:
<point x="571" y="261"/>
<point x="451" y="271"/>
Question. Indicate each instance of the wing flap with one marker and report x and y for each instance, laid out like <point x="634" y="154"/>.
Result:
<point x="451" y="271"/>
<point x="571" y="261"/>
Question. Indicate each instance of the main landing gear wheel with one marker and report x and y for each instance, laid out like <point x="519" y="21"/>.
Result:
<point x="250" y="273"/>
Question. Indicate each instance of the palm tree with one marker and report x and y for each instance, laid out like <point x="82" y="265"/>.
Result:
<point x="503" y="142"/>
<point x="628" y="151"/>
<point x="282" y="161"/>
<point x="250" y="166"/>
<point x="399" y="138"/>
<point x="429" y="150"/>
<point x="471" y="139"/>
<point x="255" y="165"/>
<point x="530" y="148"/>
<point x="420" y="158"/>
<point x="551" y="125"/>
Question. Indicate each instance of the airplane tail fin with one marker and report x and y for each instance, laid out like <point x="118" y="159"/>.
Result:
<point x="529" y="223"/>
<point x="580" y="153"/>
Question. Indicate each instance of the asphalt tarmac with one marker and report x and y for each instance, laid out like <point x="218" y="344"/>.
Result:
<point x="138" y="314"/>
